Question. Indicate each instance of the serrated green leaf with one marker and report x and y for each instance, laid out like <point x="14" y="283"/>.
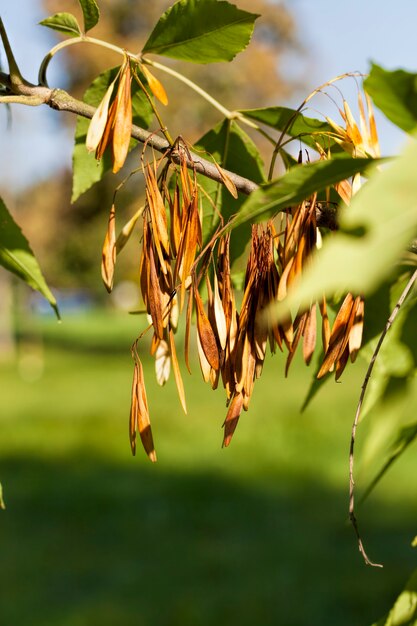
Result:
<point x="201" y="31"/>
<point x="86" y="169"/>
<point x="234" y="150"/>
<point x="91" y="13"/>
<point x="64" y="23"/>
<point x="311" y="131"/>
<point x="375" y="230"/>
<point x="17" y="257"/>
<point x="395" y="94"/>
<point x="296" y="185"/>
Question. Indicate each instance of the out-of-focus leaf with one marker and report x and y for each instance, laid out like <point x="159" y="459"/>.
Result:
<point x="64" y="23"/>
<point x="2" y="505"/>
<point x="91" y="13"/>
<point x="375" y="229"/>
<point x="86" y="169"/>
<point x="405" y="437"/>
<point x="233" y="150"/>
<point x="201" y="31"/>
<point x="395" y="93"/>
<point x="404" y="611"/>
<point x="310" y="130"/>
<point x="297" y="185"/>
<point x="17" y="257"/>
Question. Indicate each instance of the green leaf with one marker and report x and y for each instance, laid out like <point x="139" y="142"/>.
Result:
<point x="310" y="130"/>
<point x="404" y="611"/>
<point x="17" y="257"/>
<point x="378" y="226"/>
<point x="405" y="438"/>
<point x="296" y="185"/>
<point x="2" y="505"/>
<point x="86" y="169"/>
<point x="201" y="31"/>
<point x="91" y="13"/>
<point x="234" y="150"/>
<point x="395" y="93"/>
<point x="64" y="23"/>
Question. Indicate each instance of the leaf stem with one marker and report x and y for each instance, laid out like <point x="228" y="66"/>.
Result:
<point x="163" y="127"/>
<point x="388" y="325"/>
<point x="164" y="68"/>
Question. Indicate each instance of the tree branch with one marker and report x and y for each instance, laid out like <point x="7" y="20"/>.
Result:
<point x="60" y="100"/>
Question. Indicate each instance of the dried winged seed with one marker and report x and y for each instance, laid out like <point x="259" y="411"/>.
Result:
<point x="372" y="127"/>
<point x="187" y="249"/>
<point x="351" y="126"/>
<point x="143" y="421"/>
<point x="174" y="313"/>
<point x="123" y="119"/>
<point x="341" y="363"/>
<point x="227" y="181"/>
<point x="362" y="120"/>
<point x="356" y="183"/>
<point x="325" y="325"/>
<point x="219" y="315"/>
<point x="297" y="267"/>
<point x="157" y="209"/>
<point x="250" y="375"/>
<point x="175" y="221"/>
<point x="108" y="255"/>
<point x="232" y="418"/>
<point x="338" y="129"/>
<point x="155" y="85"/>
<point x="107" y="135"/>
<point x="186" y="183"/>
<point x="99" y="120"/>
<point x="154" y="296"/>
<point x="339" y="337"/>
<point x="162" y="363"/>
<point x="310" y="331"/>
<point x="177" y="373"/>
<point x="155" y="341"/>
<point x="282" y="286"/>
<point x="355" y="336"/>
<point x="300" y="323"/>
<point x="127" y="230"/>
<point x="344" y="189"/>
<point x="133" y="410"/>
<point x="206" y="334"/>
<point x="242" y="361"/>
<point x="188" y="329"/>
<point x="260" y="335"/>
<point x="204" y="364"/>
<point x="214" y="378"/>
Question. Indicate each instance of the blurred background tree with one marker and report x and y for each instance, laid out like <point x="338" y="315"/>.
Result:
<point x="254" y="79"/>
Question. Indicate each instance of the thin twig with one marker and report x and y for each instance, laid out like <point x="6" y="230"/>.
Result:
<point x="388" y="325"/>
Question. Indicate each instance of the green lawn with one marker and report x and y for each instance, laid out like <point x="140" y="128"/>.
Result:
<point x="255" y="534"/>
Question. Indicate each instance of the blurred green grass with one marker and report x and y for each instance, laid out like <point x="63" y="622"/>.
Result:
<point x="255" y="534"/>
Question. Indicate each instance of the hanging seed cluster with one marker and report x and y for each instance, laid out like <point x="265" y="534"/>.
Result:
<point x="180" y="277"/>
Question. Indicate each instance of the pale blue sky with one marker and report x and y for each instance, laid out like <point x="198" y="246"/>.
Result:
<point x="337" y="36"/>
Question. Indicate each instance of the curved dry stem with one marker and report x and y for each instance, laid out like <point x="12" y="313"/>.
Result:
<point x="388" y="325"/>
<point x="278" y="145"/>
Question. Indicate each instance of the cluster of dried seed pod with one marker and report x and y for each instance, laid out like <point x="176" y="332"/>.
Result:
<point x="177" y="272"/>
<point x="176" y="264"/>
